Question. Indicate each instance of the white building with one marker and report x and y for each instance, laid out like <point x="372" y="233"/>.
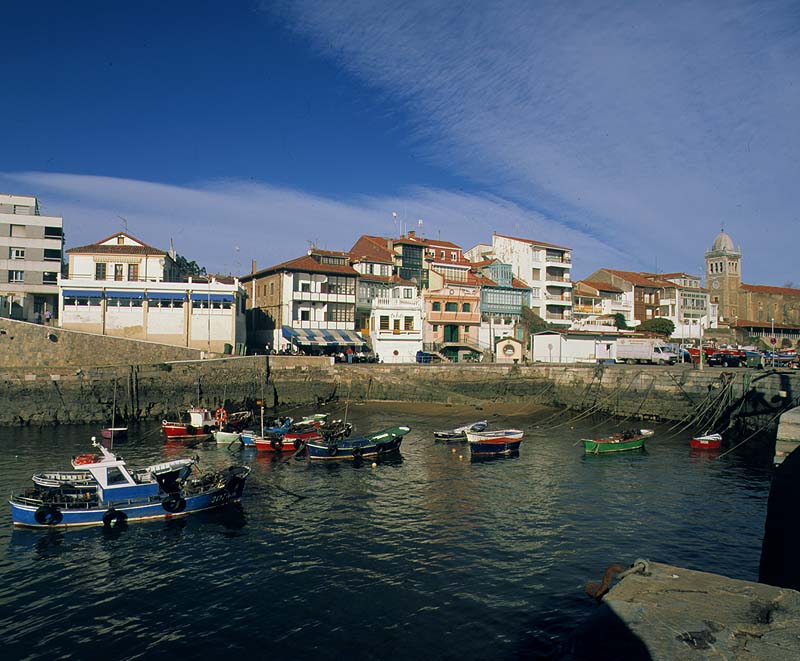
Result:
<point x="396" y="325"/>
<point x="31" y="250"/>
<point x="120" y="286"/>
<point x="546" y="269"/>
<point x="688" y="305"/>
<point x="574" y="346"/>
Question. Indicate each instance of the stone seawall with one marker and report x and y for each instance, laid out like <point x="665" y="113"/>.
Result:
<point x="155" y="391"/>
<point x="24" y="344"/>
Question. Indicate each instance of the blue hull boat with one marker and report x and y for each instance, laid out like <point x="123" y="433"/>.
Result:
<point x="251" y="440"/>
<point x="357" y="447"/>
<point x="115" y="494"/>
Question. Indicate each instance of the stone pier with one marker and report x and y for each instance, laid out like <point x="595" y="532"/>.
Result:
<point x="666" y="612"/>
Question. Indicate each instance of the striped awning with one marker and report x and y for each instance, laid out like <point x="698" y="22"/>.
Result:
<point x="322" y="336"/>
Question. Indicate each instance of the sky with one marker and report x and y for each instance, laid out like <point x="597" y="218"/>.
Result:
<point x="631" y="132"/>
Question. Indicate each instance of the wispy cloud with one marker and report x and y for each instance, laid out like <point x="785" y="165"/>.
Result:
<point x="644" y="125"/>
<point x="226" y="224"/>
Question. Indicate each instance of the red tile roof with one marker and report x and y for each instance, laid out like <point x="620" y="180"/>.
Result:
<point x="639" y="280"/>
<point x="600" y="286"/>
<point x="532" y="242"/>
<point x="114" y="249"/>
<point x="767" y="289"/>
<point x="304" y="264"/>
<point x="422" y="241"/>
<point x="372" y="249"/>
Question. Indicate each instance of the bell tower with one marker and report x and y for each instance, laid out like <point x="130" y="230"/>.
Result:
<point x="724" y="276"/>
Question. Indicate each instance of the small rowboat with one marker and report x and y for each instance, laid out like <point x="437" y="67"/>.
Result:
<point x="496" y="442"/>
<point x="707" y="442"/>
<point x="460" y="433"/>
<point x="632" y="439"/>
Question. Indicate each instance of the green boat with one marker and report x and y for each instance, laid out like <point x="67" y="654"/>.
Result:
<point x="631" y="439"/>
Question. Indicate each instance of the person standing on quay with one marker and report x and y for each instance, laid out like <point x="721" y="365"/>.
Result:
<point x="349" y="353"/>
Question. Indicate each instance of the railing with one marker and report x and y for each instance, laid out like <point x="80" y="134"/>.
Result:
<point x="560" y="259"/>
<point x="558" y="297"/>
<point x="587" y="309"/>
<point x="558" y="317"/>
<point x="549" y="277"/>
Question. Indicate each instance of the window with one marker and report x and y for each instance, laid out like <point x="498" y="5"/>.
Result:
<point x="120" y="240"/>
<point x="441" y="254"/>
<point x="305" y="286"/>
<point x="271" y="288"/>
<point x="340" y="312"/>
<point x="49" y="278"/>
<point x="52" y="254"/>
<point x="133" y="271"/>
<point x="408" y="292"/>
<point x="454" y="256"/>
<point x="384" y="323"/>
<point x="451" y="307"/>
<point x="16" y="276"/>
<point x="436" y="328"/>
<point x="408" y="323"/>
<point x="305" y="315"/>
<point x="536" y="274"/>
<point x="436" y="307"/>
<point x="465" y="307"/>
<point x="53" y="233"/>
<point x="118" y="272"/>
<point x="18" y="230"/>
<point x="100" y="271"/>
<point x="396" y="326"/>
<point x="17" y="253"/>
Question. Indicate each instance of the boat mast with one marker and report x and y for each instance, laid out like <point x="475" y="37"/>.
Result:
<point x="113" y="411"/>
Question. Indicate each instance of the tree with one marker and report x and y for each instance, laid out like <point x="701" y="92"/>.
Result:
<point x="533" y="322"/>
<point x="658" y="325"/>
<point x="619" y="321"/>
<point x="187" y="268"/>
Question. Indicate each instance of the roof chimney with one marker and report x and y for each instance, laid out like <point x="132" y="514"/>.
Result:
<point x="411" y="234"/>
<point x="253" y="267"/>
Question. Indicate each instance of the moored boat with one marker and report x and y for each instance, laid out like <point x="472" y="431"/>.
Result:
<point x="200" y="425"/>
<point x="631" y="439"/>
<point x="357" y="447"/>
<point x="107" y="492"/>
<point x="114" y="433"/>
<point x="460" y="433"/>
<point x="706" y="442"/>
<point x="494" y="442"/>
<point x="271" y="437"/>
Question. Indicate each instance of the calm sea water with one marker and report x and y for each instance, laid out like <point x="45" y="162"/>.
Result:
<point x="426" y="556"/>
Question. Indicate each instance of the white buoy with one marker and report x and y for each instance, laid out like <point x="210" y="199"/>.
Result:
<point x="453" y="450"/>
<point x="374" y="465"/>
<point x="460" y="457"/>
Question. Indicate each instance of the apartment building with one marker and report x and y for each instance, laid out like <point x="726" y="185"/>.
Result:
<point x="31" y="253"/>
<point x="307" y="303"/>
<point x="546" y="269"/>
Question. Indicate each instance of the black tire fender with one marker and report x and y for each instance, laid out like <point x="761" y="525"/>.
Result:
<point x="173" y="504"/>
<point x="190" y="430"/>
<point x="48" y="515"/>
<point x="333" y="449"/>
<point x="358" y="452"/>
<point x="277" y="444"/>
<point x="114" y="518"/>
<point x="206" y="429"/>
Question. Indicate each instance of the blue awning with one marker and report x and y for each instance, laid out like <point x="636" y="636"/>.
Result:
<point x="322" y="336"/>
<point x="124" y="294"/>
<point x="85" y="293"/>
<point x="213" y="297"/>
<point x="167" y="295"/>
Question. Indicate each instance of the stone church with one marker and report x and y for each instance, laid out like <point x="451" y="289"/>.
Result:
<point x="757" y="310"/>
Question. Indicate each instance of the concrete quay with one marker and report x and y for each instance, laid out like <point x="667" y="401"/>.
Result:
<point x="69" y="394"/>
<point x="659" y="611"/>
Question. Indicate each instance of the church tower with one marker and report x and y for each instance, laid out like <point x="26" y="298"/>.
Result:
<point x="724" y="277"/>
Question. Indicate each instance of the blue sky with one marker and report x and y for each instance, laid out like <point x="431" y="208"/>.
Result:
<point x="630" y="131"/>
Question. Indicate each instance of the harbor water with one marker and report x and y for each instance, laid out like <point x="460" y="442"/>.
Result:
<point x="427" y="555"/>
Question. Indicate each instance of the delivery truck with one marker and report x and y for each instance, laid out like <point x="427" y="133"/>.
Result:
<point x="644" y="350"/>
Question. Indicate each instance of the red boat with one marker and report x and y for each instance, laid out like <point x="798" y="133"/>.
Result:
<point x="707" y="442"/>
<point x="201" y="424"/>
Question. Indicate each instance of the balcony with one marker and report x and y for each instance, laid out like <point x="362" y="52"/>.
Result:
<point x="323" y="297"/>
<point x="550" y="277"/>
<point x="566" y="296"/>
<point x="587" y="309"/>
<point x="397" y="303"/>
<point x="566" y="260"/>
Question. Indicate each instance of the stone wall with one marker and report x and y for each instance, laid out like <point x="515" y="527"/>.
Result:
<point x="165" y="389"/>
<point x="25" y="345"/>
